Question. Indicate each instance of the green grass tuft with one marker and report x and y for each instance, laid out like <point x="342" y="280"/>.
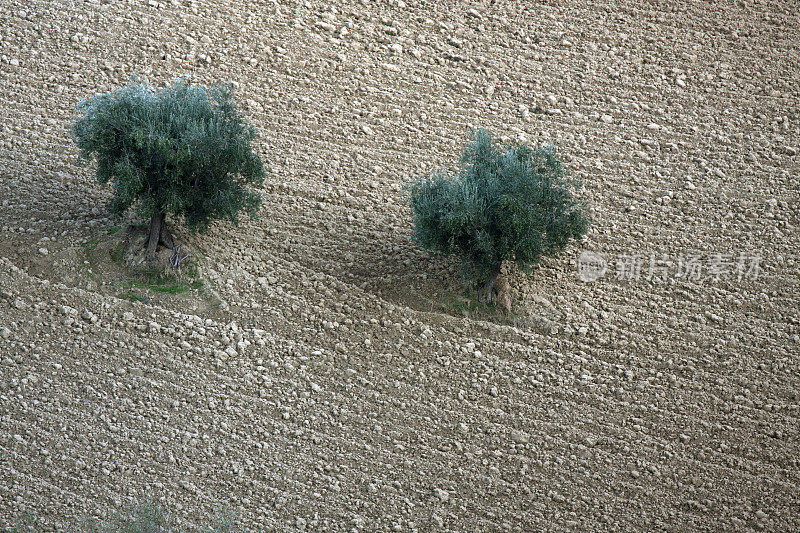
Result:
<point x="143" y="516"/>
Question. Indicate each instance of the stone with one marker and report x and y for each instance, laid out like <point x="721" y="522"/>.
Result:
<point x="520" y="437"/>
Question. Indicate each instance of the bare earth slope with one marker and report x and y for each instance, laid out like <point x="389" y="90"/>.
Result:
<point x="323" y="378"/>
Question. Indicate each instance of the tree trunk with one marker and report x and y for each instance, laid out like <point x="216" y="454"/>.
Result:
<point x="165" y="237"/>
<point x="154" y="236"/>
<point x="495" y="290"/>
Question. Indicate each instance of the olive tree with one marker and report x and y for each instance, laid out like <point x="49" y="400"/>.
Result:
<point x="510" y="203"/>
<point x="182" y="150"/>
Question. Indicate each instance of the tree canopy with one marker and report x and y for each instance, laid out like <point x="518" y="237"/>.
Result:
<point x="182" y="150"/>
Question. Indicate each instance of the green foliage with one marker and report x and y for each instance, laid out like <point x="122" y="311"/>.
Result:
<point x="143" y="517"/>
<point x="24" y="524"/>
<point x="510" y="203"/>
<point x="182" y="150"/>
<point x="132" y="296"/>
<point x="164" y="284"/>
<point x="147" y="516"/>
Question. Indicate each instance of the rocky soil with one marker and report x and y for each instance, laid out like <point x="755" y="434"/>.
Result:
<point x="327" y="376"/>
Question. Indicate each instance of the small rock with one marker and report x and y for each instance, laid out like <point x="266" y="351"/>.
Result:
<point x="5" y="333"/>
<point x="520" y="437"/>
<point x="43" y="251"/>
<point x="442" y="494"/>
<point x="606" y="118"/>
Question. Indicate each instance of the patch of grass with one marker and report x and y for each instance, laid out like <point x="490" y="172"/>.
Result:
<point x="116" y="255"/>
<point x="176" y="287"/>
<point x="23" y="524"/>
<point x="460" y="303"/>
<point x="148" y="516"/>
<point x="164" y="284"/>
<point x="143" y="516"/>
<point x="92" y="243"/>
<point x="132" y="296"/>
<point x="136" y="283"/>
<point x="224" y="523"/>
<point x="153" y="281"/>
<point x="466" y="301"/>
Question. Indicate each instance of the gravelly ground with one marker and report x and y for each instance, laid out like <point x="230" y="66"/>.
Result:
<point x="326" y="376"/>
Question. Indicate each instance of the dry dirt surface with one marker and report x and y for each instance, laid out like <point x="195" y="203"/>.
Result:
<point x="327" y="375"/>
